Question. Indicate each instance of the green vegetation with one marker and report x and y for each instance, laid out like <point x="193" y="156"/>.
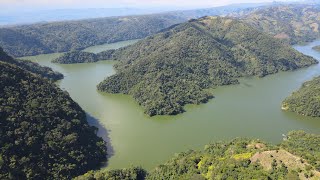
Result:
<point x="32" y="67"/>
<point x="28" y="40"/>
<point x="43" y="132"/>
<point x="305" y="101"/>
<point x="134" y="173"/>
<point x="42" y="38"/>
<point x="317" y="48"/>
<point x="84" y="57"/>
<point x="292" y="23"/>
<point x="76" y="57"/>
<point x="173" y="68"/>
<point x="305" y="145"/>
<point x="236" y="159"/>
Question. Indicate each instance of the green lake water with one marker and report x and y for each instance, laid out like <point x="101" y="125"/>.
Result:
<point x="251" y="109"/>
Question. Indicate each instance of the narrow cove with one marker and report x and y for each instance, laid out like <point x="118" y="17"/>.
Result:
<point x="251" y="109"/>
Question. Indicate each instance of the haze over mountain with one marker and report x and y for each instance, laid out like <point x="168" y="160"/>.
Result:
<point x="22" y="13"/>
<point x="76" y="35"/>
<point x="291" y="23"/>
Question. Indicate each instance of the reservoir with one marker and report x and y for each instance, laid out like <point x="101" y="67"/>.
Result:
<point x="251" y="109"/>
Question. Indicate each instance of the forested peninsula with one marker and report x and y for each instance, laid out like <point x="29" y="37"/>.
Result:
<point x="84" y="57"/>
<point x="173" y="68"/>
<point x="305" y="101"/>
<point x="317" y="48"/>
<point x="296" y="157"/>
<point x="43" y="132"/>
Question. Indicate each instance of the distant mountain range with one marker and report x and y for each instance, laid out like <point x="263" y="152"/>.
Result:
<point x="19" y="17"/>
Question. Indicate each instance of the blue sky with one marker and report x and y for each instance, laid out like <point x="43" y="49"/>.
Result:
<point x="119" y="3"/>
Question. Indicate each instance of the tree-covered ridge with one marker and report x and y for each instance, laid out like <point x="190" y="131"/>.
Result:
<point x="293" y="23"/>
<point x="295" y="158"/>
<point x="84" y="57"/>
<point x="317" y="48"/>
<point x="66" y="36"/>
<point x="76" y="57"/>
<point x="305" y="101"/>
<point x="32" y="67"/>
<point x="43" y="132"/>
<point x="173" y="68"/>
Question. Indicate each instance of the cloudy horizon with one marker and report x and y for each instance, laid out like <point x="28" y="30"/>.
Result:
<point x="64" y="4"/>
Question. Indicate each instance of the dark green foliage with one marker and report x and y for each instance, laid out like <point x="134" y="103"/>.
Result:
<point x="317" y="48"/>
<point x="305" y="101"/>
<point x="43" y="132"/>
<point x="135" y="173"/>
<point x="293" y="23"/>
<point x="166" y="71"/>
<point x="84" y="57"/>
<point x="76" y="35"/>
<point x="304" y="145"/>
<point x="76" y="57"/>
<point x="32" y="67"/>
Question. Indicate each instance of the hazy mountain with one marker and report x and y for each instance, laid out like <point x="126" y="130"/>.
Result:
<point x="292" y="23"/>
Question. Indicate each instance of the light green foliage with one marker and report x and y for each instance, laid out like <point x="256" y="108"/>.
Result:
<point x="305" y="101"/>
<point x="173" y="68"/>
<point x="304" y="145"/>
<point x="217" y="162"/>
<point x="134" y="173"/>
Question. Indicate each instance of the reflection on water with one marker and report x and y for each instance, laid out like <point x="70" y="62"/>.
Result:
<point x="250" y="109"/>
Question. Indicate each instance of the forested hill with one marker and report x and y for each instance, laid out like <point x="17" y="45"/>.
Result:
<point x="67" y="36"/>
<point x="32" y="67"/>
<point x="43" y="132"/>
<point x="305" y="101"/>
<point x="293" y="23"/>
<point x="166" y="71"/>
<point x="75" y="35"/>
<point x="297" y="157"/>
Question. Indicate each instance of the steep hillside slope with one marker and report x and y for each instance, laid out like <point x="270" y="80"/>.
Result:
<point x="172" y="68"/>
<point x="43" y="132"/>
<point x="44" y="72"/>
<point x="305" y="101"/>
